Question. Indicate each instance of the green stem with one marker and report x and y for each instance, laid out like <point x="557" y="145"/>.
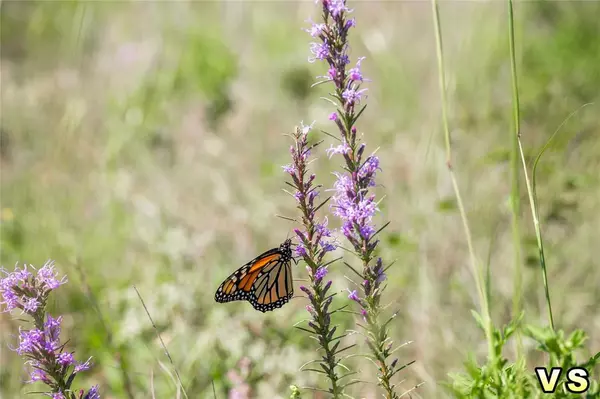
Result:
<point x="475" y="267"/>
<point x="514" y="178"/>
<point x="538" y="233"/>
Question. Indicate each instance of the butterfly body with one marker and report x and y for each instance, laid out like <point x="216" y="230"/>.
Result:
<point x="266" y="281"/>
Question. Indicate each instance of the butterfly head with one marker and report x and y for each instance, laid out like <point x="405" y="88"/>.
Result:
<point x="286" y="249"/>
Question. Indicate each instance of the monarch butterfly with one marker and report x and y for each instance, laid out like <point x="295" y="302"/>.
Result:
<point x="265" y="281"/>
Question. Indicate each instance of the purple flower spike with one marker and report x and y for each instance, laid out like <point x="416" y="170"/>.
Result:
<point x="314" y="239"/>
<point x="40" y="346"/>
<point x="352" y="202"/>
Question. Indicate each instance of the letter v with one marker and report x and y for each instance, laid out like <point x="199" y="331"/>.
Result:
<point x="548" y="383"/>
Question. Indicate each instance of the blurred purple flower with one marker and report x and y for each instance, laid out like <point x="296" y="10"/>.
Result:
<point x="289" y="169"/>
<point x="320" y="273"/>
<point x="355" y="73"/>
<point x="320" y="51"/>
<point x="40" y="345"/>
<point x="315" y="29"/>
<point x="93" y="393"/>
<point x="83" y="366"/>
<point x="328" y="246"/>
<point x="65" y="359"/>
<point x="340" y="149"/>
<point x="46" y="277"/>
<point x="301" y="250"/>
<point x="337" y="7"/>
<point x="352" y="95"/>
<point x="353" y="296"/>
<point x="241" y="388"/>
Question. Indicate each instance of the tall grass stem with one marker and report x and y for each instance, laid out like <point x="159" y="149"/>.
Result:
<point x="515" y="195"/>
<point x="531" y="191"/>
<point x="162" y="343"/>
<point x="475" y="266"/>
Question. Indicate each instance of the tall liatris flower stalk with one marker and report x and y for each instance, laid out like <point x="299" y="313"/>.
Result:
<point x="352" y="201"/>
<point x="40" y="345"/>
<point x="314" y="243"/>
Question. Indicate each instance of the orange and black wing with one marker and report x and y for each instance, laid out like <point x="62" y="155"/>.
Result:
<point x="266" y="281"/>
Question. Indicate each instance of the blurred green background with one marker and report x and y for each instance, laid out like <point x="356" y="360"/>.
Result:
<point x="141" y="144"/>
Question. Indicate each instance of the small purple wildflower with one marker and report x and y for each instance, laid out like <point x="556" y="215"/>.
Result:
<point x="289" y="169"/>
<point x="66" y="359"/>
<point x="320" y="51"/>
<point x="83" y="366"/>
<point x="29" y="340"/>
<point x="367" y="172"/>
<point x="321" y="228"/>
<point x="355" y="74"/>
<point x="30" y="305"/>
<point x="340" y="149"/>
<point x="381" y="277"/>
<point x="46" y="276"/>
<point x="333" y="116"/>
<point x="364" y="313"/>
<point x="353" y="296"/>
<point x="312" y="196"/>
<point x="337" y="7"/>
<point x="352" y="95"/>
<point x="331" y="73"/>
<point x="301" y="250"/>
<point x="93" y="393"/>
<point x="37" y="375"/>
<point x="315" y="30"/>
<point x="353" y="210"/>
<point x="320" y="273"/>
<point x="328" y="246"/>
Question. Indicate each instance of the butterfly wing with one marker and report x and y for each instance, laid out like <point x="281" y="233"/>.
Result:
<point x="273" y="288"/>
<point x="266" y="281"/>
